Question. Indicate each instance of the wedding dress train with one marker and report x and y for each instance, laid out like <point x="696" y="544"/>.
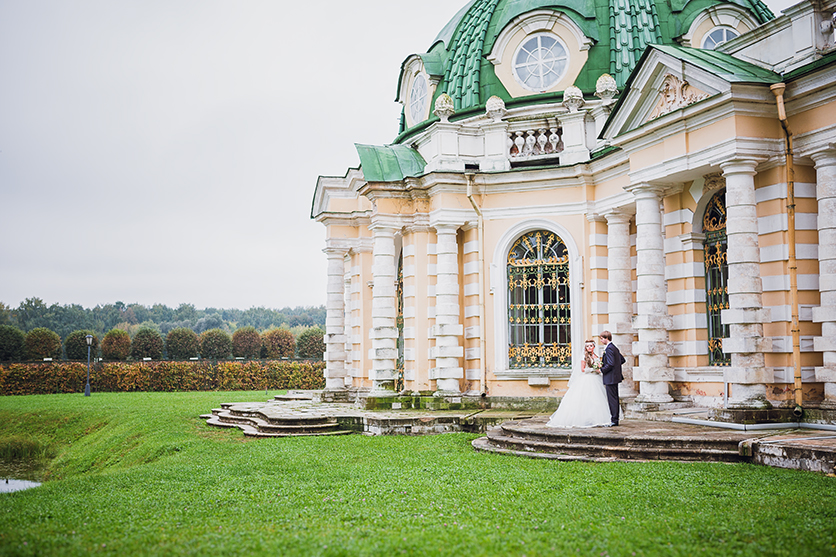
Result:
<point x="584" y="404"/>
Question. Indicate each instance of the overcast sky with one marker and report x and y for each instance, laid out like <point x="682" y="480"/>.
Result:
<point x="166" y="151"/>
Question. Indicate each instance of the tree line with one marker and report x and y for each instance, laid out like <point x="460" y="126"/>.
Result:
<point x="64" y="319"/>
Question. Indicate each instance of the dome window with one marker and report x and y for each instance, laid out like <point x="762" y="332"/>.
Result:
<point x="540" y="62"/>
<point x="718" y="36"/>
<point x="418" y="98"/>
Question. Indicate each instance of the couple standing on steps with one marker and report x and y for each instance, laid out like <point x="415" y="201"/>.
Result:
<point x="592" y="398"/>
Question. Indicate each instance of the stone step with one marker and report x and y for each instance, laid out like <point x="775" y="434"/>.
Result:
<point x="598" y="436"/>
<point x="252" y="430"/>
<point x="292" y="424"/>
<point x="603" y="449"/>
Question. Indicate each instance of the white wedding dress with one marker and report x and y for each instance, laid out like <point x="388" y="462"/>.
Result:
<point x="584" y="404"/>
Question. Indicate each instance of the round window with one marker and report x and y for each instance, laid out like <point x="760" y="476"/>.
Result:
<point x="718" y="36"/>
<point x="418" y="98"/>
<point x="540" y="62"/>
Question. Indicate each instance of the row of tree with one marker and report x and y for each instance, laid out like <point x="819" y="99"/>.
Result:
<point x="33" y="313"/>
<point x="179" y="344"/>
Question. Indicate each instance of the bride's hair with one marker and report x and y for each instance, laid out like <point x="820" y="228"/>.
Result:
<point x="588" y="357"/>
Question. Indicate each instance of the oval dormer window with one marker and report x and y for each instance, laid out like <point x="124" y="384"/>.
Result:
<point x="540" y="62"/>
<point x="718" y="36"/>
<point x="418" y="98"/>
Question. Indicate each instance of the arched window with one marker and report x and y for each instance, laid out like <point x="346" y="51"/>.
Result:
<point x="539" y="310"/>
<point x="540" y="62"/>
<point x="718" y="36"/>
<point x="716" y="277"/>
<point x="418" y="98"/>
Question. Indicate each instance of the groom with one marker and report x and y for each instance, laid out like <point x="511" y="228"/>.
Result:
<point x="611" y="362"/>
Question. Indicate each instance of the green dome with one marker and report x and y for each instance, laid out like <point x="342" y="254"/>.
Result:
<point x="620" y="30"/>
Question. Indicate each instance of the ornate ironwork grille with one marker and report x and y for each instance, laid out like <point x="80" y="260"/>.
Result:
<point x="716" y="277"/>
<point x="399" y="382"/>
<point x="539" y="310"/>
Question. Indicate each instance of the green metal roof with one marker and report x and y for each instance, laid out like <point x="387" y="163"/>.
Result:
<point x="634" y="24"/>
<point x="722" y="65"/>
<point x="389" y="163"/>
<point x="620" y="31"/>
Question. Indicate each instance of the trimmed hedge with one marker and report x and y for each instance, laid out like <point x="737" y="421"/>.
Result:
<point x="116" y="345"/>
<point x="182" y="344"/>
<point x="165" y="376"/>
<point x="75" y="345"/>
<point x="12" y="343"/>
<point x="278" y="343"/>
<point x="311" y="343"/>
<point x="42" y="343"/>
<point x="215" y="344"/>
<point x="147" y="343"/>
<point x="246" y="343"/>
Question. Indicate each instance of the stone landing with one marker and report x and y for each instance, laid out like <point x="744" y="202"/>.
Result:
<point x="680" y="435"/>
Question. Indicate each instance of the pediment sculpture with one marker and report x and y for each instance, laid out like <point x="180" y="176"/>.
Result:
<point x="674" y="94"/>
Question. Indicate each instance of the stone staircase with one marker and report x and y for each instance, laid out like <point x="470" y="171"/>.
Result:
<point x="257" y="423"/>
<point x="531" y="438"/>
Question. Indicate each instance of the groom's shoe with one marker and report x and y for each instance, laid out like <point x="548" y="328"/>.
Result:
<point x="613" y="424"/>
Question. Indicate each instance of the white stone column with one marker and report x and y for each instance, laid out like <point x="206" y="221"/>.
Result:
<point x="620" y="293"/>
<point x="384" y="332"/>
<point x="826" y="312"/>
<point x="448" y="330"/>
<point x="653" y="372"/>
<point x="335" y="333"/>
<point x="748" y="374"/>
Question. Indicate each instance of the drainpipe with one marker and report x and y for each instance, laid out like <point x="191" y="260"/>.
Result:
<point x="778" y="91"/>
<point x="480" y="231"/>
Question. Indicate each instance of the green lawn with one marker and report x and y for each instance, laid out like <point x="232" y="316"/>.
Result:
<point x="141" y="474"/>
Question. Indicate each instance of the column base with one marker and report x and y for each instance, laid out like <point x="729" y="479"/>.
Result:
<point x="654" y="392"/>
<point x="447" y="387"/>
<point x="383" y="388"/>
<point x="748" y="397"/>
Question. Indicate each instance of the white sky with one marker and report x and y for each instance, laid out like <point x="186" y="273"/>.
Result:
<point x="166" y="151"/>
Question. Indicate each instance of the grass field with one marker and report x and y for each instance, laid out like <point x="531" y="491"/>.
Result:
<point x="141" y="474"/>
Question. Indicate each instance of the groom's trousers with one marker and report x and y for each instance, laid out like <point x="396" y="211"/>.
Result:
<point x="612" y="399"/>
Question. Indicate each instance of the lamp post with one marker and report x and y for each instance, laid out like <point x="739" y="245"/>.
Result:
<point x="89" y="343"/>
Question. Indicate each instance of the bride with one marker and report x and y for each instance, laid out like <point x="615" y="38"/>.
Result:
<point x="585" y="403"/>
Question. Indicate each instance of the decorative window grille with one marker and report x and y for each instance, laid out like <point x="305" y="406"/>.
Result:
<point x="399" y="381"/>
<point x="539" y="309"/>
<point x="716" y="277"/>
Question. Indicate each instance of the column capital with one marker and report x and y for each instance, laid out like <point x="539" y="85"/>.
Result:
<point x="446" y="227"/>
<point x="618" y="217"/>
<point x="739" y="166"/>
<point x="383" y="229"/>
<point x="335" y="251"/>
<point x="644" y="190"/>
<point x="824" y="156"/>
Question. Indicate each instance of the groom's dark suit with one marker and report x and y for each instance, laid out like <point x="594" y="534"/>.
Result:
<point x="611" y="373"/>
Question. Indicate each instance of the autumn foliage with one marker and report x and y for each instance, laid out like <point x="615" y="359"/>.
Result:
<point x="204" y="375"/>
<point x="116" y="345"/>
<point x="278" y="343"/>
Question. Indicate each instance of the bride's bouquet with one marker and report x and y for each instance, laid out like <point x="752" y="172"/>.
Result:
<point x="596" y="366"/>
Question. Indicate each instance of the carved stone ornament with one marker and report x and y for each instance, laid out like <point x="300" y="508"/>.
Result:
<point x="606" y="88"/>
<point x="573" y="98"/>
<point x="495" y="108"/>
<point x="444" y="107"/>
<point x="675" y="94"/>
<point x="713" y="181"/>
